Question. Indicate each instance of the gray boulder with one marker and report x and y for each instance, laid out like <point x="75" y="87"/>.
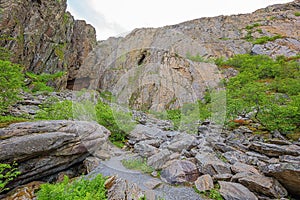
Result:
<point x="210" y="164"/>
<point x="180" y="171"/>
<point x="45" y="148"/>
<point x="288" y="174"/>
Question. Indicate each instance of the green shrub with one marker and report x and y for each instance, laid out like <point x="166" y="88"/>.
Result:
<point x="38" y="82"/>
<point x="53" y="109"/>
<point x="81" y="189"/>
<point x="118" y="121"/>
<point x="138" y="164"/>
<point x="11" y="81"/>
<point x="269" y="87"/>
<point x="7" y="173"/>
<point x="250" y="27"/>
<point x="297" y="14"/>
<point x="265" y="39"/>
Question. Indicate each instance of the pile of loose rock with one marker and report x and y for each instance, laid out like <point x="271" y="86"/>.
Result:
<point x="243" y="164"/>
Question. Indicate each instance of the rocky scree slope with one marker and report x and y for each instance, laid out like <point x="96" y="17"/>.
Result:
<point x="43" y="37"/>
<point x="153" y="62"/>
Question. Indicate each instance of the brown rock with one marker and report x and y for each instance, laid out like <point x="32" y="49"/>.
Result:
<point x="241" y="167"/>
<point x="222" y="177"/>
<point x="235" y="191"/>
<point x="204" y="183"/>
<point x="25" y="192"/>
<point x="110" y="182"/>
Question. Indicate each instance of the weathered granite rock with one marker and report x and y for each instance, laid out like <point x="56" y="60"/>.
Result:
<point x="204" y="183"/>
<point x="45" y="148"/>
<point x="210" y="164"/>
<point x="288" y="174"/>
<point x="263" y="185"/>
<point x="235" y="191"/>
<point x="43" y="37"/>
<point x="180" y="171"/>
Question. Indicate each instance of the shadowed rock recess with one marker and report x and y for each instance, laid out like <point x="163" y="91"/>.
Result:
<point x="153" y="69"/>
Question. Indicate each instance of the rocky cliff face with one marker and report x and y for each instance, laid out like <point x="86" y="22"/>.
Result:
<point x="159" y="57"/>
<point x="43" y="37"/>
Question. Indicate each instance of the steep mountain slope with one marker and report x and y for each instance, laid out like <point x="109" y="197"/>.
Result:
<point x="155" y="63"/>
<point x="43" y="37"/>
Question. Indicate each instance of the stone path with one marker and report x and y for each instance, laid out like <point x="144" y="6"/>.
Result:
<point x="164" y="191"/>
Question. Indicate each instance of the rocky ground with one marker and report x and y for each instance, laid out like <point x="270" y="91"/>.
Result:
<point x="243" y="164"/>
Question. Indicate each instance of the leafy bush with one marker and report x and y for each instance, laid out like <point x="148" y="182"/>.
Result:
<point x="53" y="109"/>
<point x="11" y="81"/>
<point x="268" y="87"/>
<point x="138" y="164"/>
<point x="118" y="121"/>
<point x="81" y="189"/>
<point x="7" y="173"/>
<point x="38" y="82"/>
<point x="297" y="14"/>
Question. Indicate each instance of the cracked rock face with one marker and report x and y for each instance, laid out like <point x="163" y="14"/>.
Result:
<point x="43" y="37"/>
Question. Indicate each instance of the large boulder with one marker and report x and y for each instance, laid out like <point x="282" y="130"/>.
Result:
<point x="45" y="148"/>
<point x="260" y="184"/>
<point x="235" y="191"/>
<point x="288" y="174"/>
<point x="210" y="164"/>
<point x="180" y="171"/>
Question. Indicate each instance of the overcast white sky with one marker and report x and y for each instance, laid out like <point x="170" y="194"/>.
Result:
<point x="118" y="17"/>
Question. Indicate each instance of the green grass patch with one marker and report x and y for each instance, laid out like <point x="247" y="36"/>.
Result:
<point x="212" y="194"/>
<point x="8" y="119"/>
<point x="138" y="164"/>
<point x="297" y="14"/>
<point x="82" y="188"/>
